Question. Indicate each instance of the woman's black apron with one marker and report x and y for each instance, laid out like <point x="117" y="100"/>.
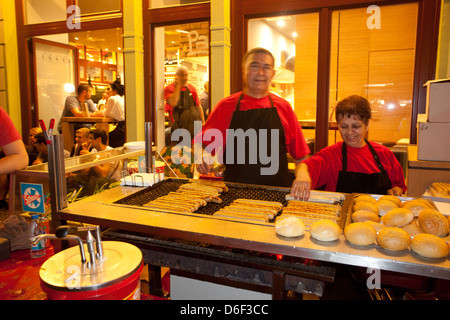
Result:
<point x="250" y="173"/>
<point x="374" y="183"/>
<point x="185" y="112"/>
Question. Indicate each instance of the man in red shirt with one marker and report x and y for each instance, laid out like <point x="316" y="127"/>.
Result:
<point x="253" y="130"/>
<point x="182" y="102"/>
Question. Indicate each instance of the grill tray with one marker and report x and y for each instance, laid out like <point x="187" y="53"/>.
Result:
<point x="235" y="191"/>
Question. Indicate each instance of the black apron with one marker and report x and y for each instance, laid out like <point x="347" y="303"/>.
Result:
<point x="185" y="112"/>
<point x="250" y="173"/>
<point x="374" y="183"/>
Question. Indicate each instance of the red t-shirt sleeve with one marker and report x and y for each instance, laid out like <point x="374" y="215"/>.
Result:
<point x="8" y="132"/>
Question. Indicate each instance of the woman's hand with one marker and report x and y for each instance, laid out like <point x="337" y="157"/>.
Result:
<point x="395" y="191"/>
<point x="301" y="186"/>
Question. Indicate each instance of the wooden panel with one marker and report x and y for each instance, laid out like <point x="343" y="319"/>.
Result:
<point x="306" y="57"/>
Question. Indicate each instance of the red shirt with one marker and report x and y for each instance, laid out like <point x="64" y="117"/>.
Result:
<point x="168" y="91"/>
<point x="8" y="132"/>
<point x="220" y="119"/>
<point x="325" y="165"/>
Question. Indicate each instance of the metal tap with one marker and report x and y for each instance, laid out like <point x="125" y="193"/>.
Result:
<point x="95" y="252"/>
<point x="36" y="239"/>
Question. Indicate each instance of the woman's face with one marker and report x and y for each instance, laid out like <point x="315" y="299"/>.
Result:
<point x="110" y="91"/>
<point x="353" y="130"/>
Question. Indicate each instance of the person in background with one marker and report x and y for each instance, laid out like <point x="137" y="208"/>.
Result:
<point x="115" y="109"/>
<point x="31" y="148"/>
<point x="14" y="154"/>
<point x="204" y="99"/>
<point x="72" y="105"/>
<point x="81" y="136"/>
<point x="257" y="110"/>
<point x="182" y="102"/>
<point x="354" y="165"/>
<point x="41" y="147"/>
<point x="99" y="176"/>
<point x="101" y="105"/>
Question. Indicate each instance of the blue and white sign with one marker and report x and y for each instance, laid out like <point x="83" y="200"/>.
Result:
<point x="33" y="198"/>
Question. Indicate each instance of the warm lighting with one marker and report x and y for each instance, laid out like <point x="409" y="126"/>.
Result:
<point x="295" y="34"/>
<point x="69" y="87"/>
<point x="281" y="23"/>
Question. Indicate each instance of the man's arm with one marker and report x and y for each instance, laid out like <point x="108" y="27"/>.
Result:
<point x="16" y="157"/>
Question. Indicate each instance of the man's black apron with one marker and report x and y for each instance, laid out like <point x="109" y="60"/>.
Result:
<point x="185" y="112"/>
<point x="374" y="183"/>
<point x="257" y="119"/>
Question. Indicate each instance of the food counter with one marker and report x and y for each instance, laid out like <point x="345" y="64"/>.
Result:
<point x="117" y="208"/>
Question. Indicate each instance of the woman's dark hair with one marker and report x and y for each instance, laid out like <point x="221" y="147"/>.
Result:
<point x="118" y="87"/>
<point x="354" y="105"/>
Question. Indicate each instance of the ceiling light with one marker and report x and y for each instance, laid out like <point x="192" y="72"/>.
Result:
<point x="295" y="34"/>
<point x="281" y="23"/>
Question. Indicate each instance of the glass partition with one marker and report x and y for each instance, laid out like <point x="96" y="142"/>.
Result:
<point x="372" y="55"/>
<point x="293" y="40"/>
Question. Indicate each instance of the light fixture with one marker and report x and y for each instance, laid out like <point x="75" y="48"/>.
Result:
<point x="281" y="23"/>
<point x="295" y="34"/>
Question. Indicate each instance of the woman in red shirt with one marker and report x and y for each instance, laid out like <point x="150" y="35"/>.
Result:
<point x="354" y="165"/>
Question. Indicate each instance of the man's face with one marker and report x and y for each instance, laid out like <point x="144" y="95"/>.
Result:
<point x="88" y="94"/>
<point x="182" y="77"/>
<point x="94" y="142"/>
<point x="80" y="138"/>
<point x="258" y="74"/>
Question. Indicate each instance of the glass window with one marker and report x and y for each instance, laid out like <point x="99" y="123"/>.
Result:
<point x="184" y="45"/>
<point x="293" y="40"/>
<point x="153" y="4"/>
<point x="40" y="11"/>
<point x="372" y="55"/>
<point x="95" y="7"/>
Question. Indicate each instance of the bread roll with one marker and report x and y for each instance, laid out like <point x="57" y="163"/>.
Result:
<point x="391" y="198"/>
<point x="429" y="245"/>
<point x="416" y="206"/>
<point x="394" y="239"/>
<point x="364" y="205"/>
<point x="360" y="233"/>
<point x="384" y="206"/>
<point x="325" y="230"/>
<point x="290" y="227"/>
<point x="434" y="222"/>
<point x="397" y="217"/>
<point x="364" y="215"/>
<point x="365" y="198"/>
<point x="378" y="226"/>
<point x="413" y="229"/>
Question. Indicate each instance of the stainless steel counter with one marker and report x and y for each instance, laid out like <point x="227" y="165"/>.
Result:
<point x="101" y="210"/>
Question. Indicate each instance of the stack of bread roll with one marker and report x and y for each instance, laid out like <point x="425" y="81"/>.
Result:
<point x="396" y="225"/>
